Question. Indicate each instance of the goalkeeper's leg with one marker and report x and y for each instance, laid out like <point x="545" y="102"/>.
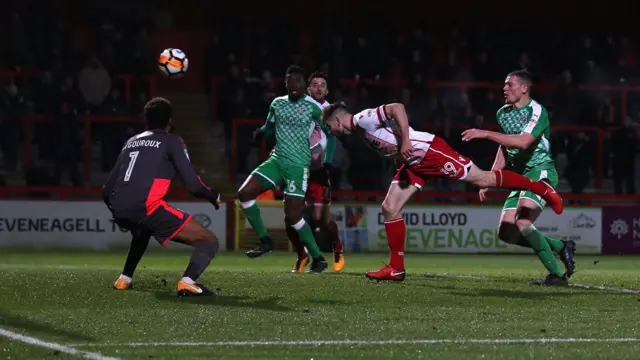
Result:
<point x="139" y="243"/>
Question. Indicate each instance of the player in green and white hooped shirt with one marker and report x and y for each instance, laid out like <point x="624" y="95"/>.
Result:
<point x="292" y="119"/>
<point x="525" y="149"/>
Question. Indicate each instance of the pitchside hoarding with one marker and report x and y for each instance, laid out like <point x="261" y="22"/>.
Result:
<point x="453" y="229"/>
<point x="84" y="224"/>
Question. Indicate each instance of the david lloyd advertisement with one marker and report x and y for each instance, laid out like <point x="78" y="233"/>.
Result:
<point x="471" y="229"/>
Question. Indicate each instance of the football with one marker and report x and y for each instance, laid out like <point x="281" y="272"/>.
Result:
<point x="173" y="63"/>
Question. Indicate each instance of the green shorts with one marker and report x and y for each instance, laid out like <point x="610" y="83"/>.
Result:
<point x="275" y="175"/>
<point x="551" y="175"/>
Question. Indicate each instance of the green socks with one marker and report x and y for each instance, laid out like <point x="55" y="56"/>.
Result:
<point x="555" y="244"/>
<point x="252" y="212"/>
<point x="309" y="241"/>
<point x="542" y="248"/>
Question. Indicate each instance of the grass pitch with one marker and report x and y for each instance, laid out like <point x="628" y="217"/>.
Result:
<point x="65" y="299"/>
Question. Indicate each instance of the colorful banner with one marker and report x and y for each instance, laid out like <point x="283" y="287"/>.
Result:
<point x="85" y="224"/>
<point x="462" y="229"/>
<point x="621" y="230"/>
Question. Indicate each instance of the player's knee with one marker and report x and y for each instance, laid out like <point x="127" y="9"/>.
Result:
<point x="525" y="226"/>
<point x="244" y="196"/>
<point x="293" y="217"/>
<point x="206" y="236"/>
<point x="293" y="214"/>
<point x="508" y="232"/>
<point x="390" y="209"/>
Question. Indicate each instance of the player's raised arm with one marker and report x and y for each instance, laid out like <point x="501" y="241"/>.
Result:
<point x="398" y="113"/>
<point x="180" y="157"/>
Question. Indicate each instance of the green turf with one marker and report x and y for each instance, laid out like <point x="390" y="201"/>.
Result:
<point x="67" y="298"/>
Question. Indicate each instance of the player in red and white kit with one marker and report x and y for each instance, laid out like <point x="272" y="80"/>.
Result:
<point x="318" y="196"/>
<point x="421" y="154"/>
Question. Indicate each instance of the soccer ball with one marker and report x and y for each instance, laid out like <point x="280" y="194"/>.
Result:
<point x="173" y="63"/>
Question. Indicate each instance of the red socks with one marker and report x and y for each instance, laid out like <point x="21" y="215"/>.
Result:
<point x="396" y="233"/>
<point x="334" y="236"/>
<point x="510" y="180"/>
<point x="294" y="238"/>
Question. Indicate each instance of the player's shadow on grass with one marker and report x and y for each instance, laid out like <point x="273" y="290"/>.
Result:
<point x="270" y="304"/>
<point x="514" y="294"/>
<point x="31" y="327"/>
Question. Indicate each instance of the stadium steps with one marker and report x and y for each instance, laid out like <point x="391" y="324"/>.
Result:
<point x="204" y="139"/>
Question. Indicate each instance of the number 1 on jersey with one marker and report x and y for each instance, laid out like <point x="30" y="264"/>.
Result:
<point x="134" y="156"/>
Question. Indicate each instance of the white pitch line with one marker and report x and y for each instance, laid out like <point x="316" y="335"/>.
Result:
<point x="364" y="342"/>
<point x="53" y="346"/>
<point x="579" y="286"/>
<point x="606" y="288"/>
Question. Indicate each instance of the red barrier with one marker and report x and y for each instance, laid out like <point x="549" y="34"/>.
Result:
<point x="601" y="134"/>
<point x="353" y="84"/>
<point x="72" y="193"/>
<point x="372" y="197"/>
<point x="28" y="120"/>
<point x="12" y="76"/>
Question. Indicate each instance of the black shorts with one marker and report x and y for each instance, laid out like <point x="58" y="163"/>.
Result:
<point x="164" y="223"/>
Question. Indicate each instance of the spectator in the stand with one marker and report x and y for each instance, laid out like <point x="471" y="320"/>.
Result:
<point x="364" y="101"/>
<point x="579" y="160"/>
<point x="628" y="62"/>
<point x="142" y="54"/>
<point x="624" y="146"/>
<point x="114" y="105"/>
<point x="416" y="66"/>
<point x="489" y="105"/>
<point x="566" y="104"/>
<point x="450" y="70"/>
<point x="414" y="109"/>
<point x="110" y="135"/>
<point x="45" y="94"/>
<point x="483" y="68"/>
<point x="239" y="108"/>
<point x="95" y="84"/>
<point x="137" y="107"/>
<point x="66" y="144"/>
<point x="13" y="107"/>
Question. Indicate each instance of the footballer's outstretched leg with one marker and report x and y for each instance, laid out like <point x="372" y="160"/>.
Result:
<point x="396" y="230"/>
<point x="517" y="227"/>
<point x="139" y="243"/>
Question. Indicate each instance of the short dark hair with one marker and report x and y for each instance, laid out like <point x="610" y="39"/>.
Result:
<point x="523" y="75"/>
<point x="332" y="109"/>
<point x="158" y="112"/>
<point x="318" y="75"/>
<point x="295" y="69"/>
